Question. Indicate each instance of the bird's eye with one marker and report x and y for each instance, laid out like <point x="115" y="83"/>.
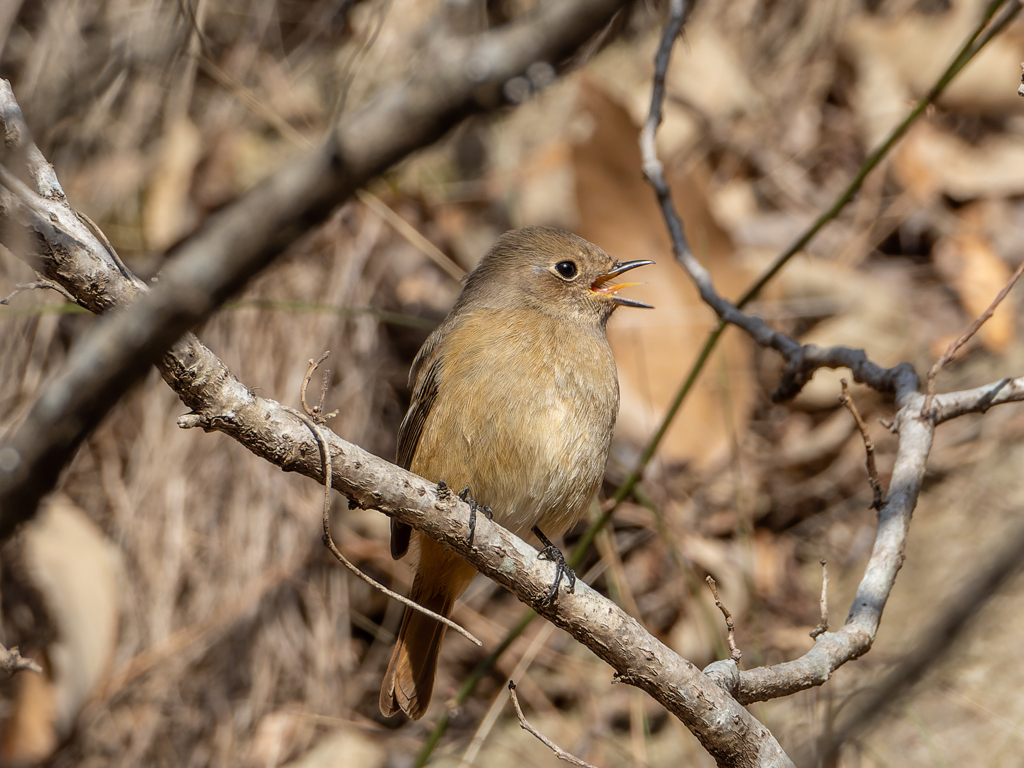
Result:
<point x="566" y="269"/>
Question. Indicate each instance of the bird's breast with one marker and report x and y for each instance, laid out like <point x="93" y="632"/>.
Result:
<point x="524" y="417"/>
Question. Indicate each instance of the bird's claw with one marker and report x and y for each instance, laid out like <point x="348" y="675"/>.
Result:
<point x="562" y="569"/>
<point x="473" y="507"/>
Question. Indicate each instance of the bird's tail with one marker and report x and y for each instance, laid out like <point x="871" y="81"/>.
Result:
<point x="441" y="578"/>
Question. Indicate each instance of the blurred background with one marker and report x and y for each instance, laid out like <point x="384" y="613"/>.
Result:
<point x="176" y="589"/>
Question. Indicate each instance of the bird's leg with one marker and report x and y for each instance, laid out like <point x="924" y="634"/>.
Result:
<point x="562" y="569"/>
<point x="473" y="507"/>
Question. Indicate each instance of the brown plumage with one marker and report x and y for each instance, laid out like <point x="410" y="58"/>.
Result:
<point x="514" y="396"/>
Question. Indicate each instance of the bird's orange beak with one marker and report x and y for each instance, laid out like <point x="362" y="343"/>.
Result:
<point x="601" y="284"/>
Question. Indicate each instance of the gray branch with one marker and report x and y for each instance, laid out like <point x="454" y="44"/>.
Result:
<point x="11" y="662"/>
<point x="831" y="649"/>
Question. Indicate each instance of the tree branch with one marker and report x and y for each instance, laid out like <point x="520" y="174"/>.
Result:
<point x="467" y="77"/>
<point x="277" y="433"/>
<point x="832" y="649"/>
<point x="68" y="251"/>
<point x="11" y="661"/>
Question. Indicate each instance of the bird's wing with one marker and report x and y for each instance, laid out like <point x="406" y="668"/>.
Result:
<point x="423" y="397"/>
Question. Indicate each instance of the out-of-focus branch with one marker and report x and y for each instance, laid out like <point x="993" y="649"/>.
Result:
<point x="466" y="76"/>
<point x="12" y="661"/>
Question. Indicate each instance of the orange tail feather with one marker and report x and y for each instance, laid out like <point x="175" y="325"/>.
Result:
<point x="441" y="577"/>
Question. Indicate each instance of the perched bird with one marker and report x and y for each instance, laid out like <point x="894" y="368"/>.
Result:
<point x="514" y="398"/>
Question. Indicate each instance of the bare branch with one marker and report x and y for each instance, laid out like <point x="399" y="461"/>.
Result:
<point x="803" y="360"/>
<point x="973" y="328"/>
<point x="978" y="400"/>
<point x="869" y="449"/>
<point x="734" y="653"/>
<point x="560" y="753"/>
<point x="822" y="627"/>
<point x="12" y="661"/>
<point x="934" y="642"/>
<point x="35" y="285"/>
<point x="313" y="422"/>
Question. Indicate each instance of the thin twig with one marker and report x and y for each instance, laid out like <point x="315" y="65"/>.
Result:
<point x="410" y="233"/>
<point x="310" y="421"/>
<point x="39" y="284"/>
<point x="314" y="411"/>
<point x="560" y="753"/>
<point x="822" y="627"/>
<point x="802" y="360"/>
<point x="734" y="653"/>
<point x="12" y="661"/>
<point x="947" y="356"/>
<point x="869" y="447"/>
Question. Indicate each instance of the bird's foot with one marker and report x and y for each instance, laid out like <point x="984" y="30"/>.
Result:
<point x="562" y="569"/>
<point x="473" y="507"/>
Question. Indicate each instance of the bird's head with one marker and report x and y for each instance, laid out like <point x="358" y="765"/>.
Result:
<point x="553" y="272"/>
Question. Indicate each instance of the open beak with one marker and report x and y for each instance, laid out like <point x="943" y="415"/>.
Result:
<point x="604" y="284"/>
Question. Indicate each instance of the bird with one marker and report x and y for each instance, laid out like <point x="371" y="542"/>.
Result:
<point x="515" y="396"/>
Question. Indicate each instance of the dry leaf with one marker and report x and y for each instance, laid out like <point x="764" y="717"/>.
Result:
<point x="73" y="566"/>
<point x="655" y="349"/>
<point x="168" y="214"/>
<point x="930" y="162"/>
<point x="899" y="59"/>
<point x="972" y="268"/>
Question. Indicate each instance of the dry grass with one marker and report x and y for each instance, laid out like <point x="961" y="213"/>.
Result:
<point x="241" y="642"/>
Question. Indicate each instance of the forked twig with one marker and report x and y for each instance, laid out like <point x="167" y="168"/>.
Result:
<point x="560" y="753"/>
<point x="12" y="661"/>
<point x="973" y="328"/>
<point x="734" y="653"/>
<point x="822" y="627"/>
<point x="314" y="411"/>
<point x="39" y="284"/>
<point x="311" y="420"/>
<point x="869" y="446"/>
